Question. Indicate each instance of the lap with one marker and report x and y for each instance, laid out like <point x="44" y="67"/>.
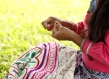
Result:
<point x="48" y="60"/>
<point x="52" y="61"/>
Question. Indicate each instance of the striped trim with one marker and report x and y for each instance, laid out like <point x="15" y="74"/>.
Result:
<point x="87" y="52"/>
<point x="75" y="28"/>
<point x="81" y="47"/>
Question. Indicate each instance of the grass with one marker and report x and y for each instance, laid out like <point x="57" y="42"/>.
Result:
<point x="20" y="25"/>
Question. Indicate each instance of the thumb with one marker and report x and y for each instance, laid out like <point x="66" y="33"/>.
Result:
<point x="57" y="26"/>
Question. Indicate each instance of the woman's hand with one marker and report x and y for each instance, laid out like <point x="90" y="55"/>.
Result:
<point x="50" y="22"/>
<point x="60" y="33"/>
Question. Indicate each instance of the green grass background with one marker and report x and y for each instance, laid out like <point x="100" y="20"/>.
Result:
<point x="20" y="25"/>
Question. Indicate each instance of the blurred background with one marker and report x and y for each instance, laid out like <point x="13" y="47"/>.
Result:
<point x="21" y="29"/>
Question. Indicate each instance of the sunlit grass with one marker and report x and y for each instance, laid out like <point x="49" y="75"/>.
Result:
<point x="20" y="24"/>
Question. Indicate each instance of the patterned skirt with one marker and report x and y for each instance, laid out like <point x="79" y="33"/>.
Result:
<point x="51" y="61"/>
<point x="81" y="72"/>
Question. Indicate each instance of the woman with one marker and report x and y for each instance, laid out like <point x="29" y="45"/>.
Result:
<point x="91" y="35"/>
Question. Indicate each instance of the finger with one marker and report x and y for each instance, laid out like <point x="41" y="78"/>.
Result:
<point x="55" y="30"/>
<point x="53" y="20"/>
<point x="42" y="23"/>
<point x="47" y="21"/>
<point x="53" y="34"/>
<point x="57" y="26"/>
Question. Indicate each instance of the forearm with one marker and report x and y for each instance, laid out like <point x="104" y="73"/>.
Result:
<point x="76" y="27"/>
<point x="62" y="33"/>
<point x="67" y="24"/>
<point x="77" y="39"/>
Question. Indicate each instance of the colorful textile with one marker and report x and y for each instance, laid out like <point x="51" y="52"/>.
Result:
<point x="81" y="72"/>
<point x="45" y="61"/>
<point x="52" y="61"/>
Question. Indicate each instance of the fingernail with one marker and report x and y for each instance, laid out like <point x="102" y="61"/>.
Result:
<point x="56" y="23"/>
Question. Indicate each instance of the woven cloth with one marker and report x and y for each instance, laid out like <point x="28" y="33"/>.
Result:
<point x="45" y="61"/>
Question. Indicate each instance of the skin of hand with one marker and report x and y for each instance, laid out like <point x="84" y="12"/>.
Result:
<point x="62" y="33"/>
<point x="50" y="22"/>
